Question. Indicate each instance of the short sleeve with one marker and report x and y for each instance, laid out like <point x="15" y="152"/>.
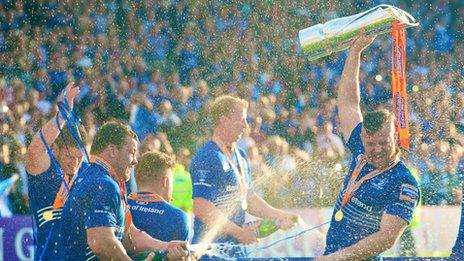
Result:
<point x="405" y="198"/>
<point x="103" y="208"/>
<point x="203" y="174"/>
<point x="354" y="142"/>
<point x="185" y="234"/>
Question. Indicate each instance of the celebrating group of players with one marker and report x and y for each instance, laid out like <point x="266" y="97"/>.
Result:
<point x="82" y="210"/>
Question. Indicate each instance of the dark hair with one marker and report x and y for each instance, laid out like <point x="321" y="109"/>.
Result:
<point x="111" y="133"/>
<point x="374" y="120"/>
<point x="65" y="138"/>
<point x="152" y="165"/>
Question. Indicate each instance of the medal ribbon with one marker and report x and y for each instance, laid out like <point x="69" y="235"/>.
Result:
<point x="399" y="95"/>
<point x="71" y="121"/>
<point x="238" y="171"/>
<point x="354" y="185"/>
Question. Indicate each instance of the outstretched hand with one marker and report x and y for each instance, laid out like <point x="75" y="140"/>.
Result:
<point x="363" y="41"/>
<point x="288" y="220"/>
<point x="71" y="93"/>
<point x="177" y="250"/>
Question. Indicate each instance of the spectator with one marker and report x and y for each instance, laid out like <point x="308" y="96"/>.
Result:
<point x="112" y="49"/>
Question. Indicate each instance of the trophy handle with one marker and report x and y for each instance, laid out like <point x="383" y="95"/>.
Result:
<point x="398" y="12"/>
<point x="408" y="16"/>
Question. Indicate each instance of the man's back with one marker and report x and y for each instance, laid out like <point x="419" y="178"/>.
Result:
<point x="158" y="218"/>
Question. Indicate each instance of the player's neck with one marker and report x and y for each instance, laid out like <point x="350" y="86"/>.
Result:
<point x="108" y="163"/>
<point x="154" y="190"/>
<point x="224" y="145"/>
<point x="146" y="189"/>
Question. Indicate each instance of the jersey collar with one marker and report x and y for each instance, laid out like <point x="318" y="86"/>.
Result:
<point x="105" y="164"/>
<point x="146" y="197"/>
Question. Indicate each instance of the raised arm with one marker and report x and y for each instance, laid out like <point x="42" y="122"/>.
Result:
<point x="37" y="159"/>
<point x="349" y="97"/>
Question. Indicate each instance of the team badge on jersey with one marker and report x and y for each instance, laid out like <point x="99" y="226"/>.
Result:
<point x="409" y="193"/>
<point x="379" y="183"/>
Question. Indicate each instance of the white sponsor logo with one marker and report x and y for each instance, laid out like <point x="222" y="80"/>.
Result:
<point x="378" y="183"/>
<point x="361" y="204"/>
<point x="147" y="209"/>
<point x="202" y="174"/>
<point x="98" y="211"/>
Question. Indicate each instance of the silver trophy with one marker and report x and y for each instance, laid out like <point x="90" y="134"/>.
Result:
<point x="335" y="35"/>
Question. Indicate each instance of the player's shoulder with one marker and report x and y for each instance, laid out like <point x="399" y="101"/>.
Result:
<point x="96" y="177"/>
<point x="207" y="150"/>
<point x="176" y="213"/>
<point x="91" y="169"/>
<point x="208" y="154"/>
<point x="404" y="175"/>
<point x="175" y="210"/>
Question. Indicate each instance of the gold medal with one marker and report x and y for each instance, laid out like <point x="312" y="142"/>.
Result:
<point x="339" y="216"/>
<point x="48" y="215"/>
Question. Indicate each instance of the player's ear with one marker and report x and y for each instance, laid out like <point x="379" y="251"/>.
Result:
<point x="165" y="181"/>
<point x="113" y="150"/>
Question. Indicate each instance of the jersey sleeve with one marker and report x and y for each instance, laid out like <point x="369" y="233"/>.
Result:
<point x="204" y="173"/>
<point x="405" y="198"/>
<point x="103" y="207"/>
<point x="185" y="234"/>
<point x="354" y="142"/>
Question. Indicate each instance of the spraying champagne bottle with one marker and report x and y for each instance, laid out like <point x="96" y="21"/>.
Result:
<point x="269" y="226"/>
<point x="266" y="228"/>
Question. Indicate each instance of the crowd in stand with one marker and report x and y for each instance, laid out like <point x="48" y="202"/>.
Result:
<point x="158" y="64"/>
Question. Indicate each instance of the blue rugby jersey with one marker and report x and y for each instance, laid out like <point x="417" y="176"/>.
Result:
<point x="158" y="218"/>
<point x="42" y="192"/>
<point x="94" y="201"/>
<point x="214" y="179"/>
<point x="394" y="192"/>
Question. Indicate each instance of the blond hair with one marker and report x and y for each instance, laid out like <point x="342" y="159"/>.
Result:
<point x="152" y="165"/>
<point x="224" y="106"/>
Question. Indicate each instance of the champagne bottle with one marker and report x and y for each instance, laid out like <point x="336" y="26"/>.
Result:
<point x="266" y="227"/>
<point x="269" y="226"/>
<point x="159" y="256"/>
